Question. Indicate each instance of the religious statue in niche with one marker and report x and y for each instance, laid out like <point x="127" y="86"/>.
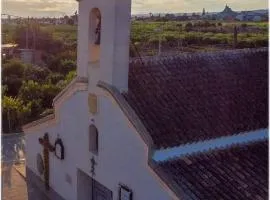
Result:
<point x="59" y="149"/>
<point x="47" y="147"/>
<point x="98" y="31"/>
<point x="125" y="193"/>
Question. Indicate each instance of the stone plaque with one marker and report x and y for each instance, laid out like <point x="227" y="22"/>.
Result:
<point x="92" y="103"/>
<point x="40" y="164"/>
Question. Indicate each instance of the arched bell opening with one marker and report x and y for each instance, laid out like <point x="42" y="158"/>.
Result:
<point x="94" y="35"/>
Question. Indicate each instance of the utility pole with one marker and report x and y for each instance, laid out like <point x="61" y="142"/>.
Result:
<point x="235" y="37"/>
<point x="159" y="41"/>
<point x="9" y="124"/>
<point x="179" y="41"/>
<point x="34" y="41"/>
<point x="27" y="32"/>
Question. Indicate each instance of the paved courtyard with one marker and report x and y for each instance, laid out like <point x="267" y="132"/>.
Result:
<point x="15" y="187"/>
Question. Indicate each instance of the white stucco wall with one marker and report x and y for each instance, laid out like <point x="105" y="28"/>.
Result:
<point x="122" y="156"/>
<point x="73" y="119"/>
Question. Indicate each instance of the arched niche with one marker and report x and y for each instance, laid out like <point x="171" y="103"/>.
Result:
<point x="94" y="35"/>
<point x="93" y="139"/>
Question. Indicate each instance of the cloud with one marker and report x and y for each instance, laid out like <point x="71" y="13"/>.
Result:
<point x="39" y="7"/>
<point x="195" y="5"/>
<point x="60" y="7"/>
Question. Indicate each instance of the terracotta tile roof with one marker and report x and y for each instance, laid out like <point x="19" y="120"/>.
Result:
<point x="202" y="96"/>
<point x="239" y="172"/>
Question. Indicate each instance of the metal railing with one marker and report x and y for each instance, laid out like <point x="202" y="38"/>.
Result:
<point x="13" y="148"/>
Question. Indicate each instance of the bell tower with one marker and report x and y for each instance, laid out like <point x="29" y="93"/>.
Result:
<point x="103" y="41"/>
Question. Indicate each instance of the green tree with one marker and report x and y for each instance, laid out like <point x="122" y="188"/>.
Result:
<point x="37" y="38"/>
<point x="69" y="77"/>
<point x="188" y="26"/>
<point x="67" y="66"/>
<point x="49" y="91"/>
<point x="30" y="90"/>
<point x="54" y="78"/>
<point x="36" y="73"/>
<point x="12" y="76"/>
<point x="32" y="94"/>
<point x="4" y="90"/>
<point x="14" y="113"/>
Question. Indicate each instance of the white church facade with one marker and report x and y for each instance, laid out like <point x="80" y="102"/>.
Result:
<point x="122" y="154"/>
<point x="124" y="131"/>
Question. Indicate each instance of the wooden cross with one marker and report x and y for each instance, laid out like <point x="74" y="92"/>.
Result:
<point x="47" y="147"/>
<point x="93" y="163"/>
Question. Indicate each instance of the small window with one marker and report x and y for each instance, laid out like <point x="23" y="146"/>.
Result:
<point x="125" y="193"/>
<point x="93" y="139"/>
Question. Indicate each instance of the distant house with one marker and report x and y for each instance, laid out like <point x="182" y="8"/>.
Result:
<point x="252" y="16"/>
<point x="257" y="18"/>
<point x="8" y="50"/>
<point x="57" y="21"/>
<point x="240" y="17"/>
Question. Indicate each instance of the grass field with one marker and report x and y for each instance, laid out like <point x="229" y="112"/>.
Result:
<point x="251" y="34"/>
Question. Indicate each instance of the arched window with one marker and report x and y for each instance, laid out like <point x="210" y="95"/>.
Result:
<point x="93" y="139"/>
<point x="94" y="34"/>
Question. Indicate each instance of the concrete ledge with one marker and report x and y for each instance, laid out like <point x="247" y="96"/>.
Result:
<point x="32" y="178"/>
<point x="78" y="80"/>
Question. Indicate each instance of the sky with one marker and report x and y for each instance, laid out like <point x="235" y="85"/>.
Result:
<point x="56" y="8"/>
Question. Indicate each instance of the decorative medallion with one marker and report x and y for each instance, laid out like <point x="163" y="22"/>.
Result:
<point x="59" y="149"/>
<point x="92" y="103"/>
<point x="125" y="193"/>
<point x="40" y="164"/>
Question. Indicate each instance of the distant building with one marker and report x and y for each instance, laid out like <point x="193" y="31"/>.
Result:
<point x="240" y="17"/>
<point x="8" y="50"/>
<point x="203" y="12"/>
<point x="27" y="55"/>
<point x="257" y="18"/>
<point x="227" y="14"/>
